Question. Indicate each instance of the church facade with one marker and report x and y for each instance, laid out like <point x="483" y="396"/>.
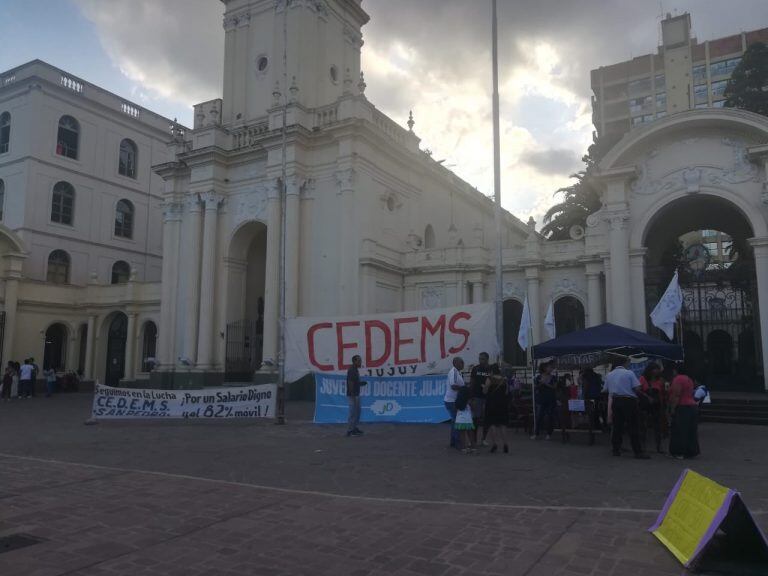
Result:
<point x="372" y="223"/>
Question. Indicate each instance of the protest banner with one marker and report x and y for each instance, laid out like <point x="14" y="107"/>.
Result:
<point x="215" y="403"/>
<point x="707" y="526"/>
<point x="399" y="344"/>
<point x="402" y="399"/>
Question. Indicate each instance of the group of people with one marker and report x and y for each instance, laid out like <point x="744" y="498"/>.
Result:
<point x="482" y="403"/>
<point x="19" y="380"/>
<point x="479" y="409"/>
<point x="636" y="404"/>
<point x="628" y="404"/>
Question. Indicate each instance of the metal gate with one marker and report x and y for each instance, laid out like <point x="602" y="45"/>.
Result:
<point x="244" y="350"/>
<point x="720" y="323"/>
<point x="720" y="330"/>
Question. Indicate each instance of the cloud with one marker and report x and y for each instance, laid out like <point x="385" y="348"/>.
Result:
<point x="173" y="49"/>
<point x="553" y="161"/>
<point x="433" y="57"/>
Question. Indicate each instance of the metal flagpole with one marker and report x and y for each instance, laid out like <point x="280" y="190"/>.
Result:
<point x="497" y="188"/>
<point x="531" y="363"/>
<point x="283" y="219"/>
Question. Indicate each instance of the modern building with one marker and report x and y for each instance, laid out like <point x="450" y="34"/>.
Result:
<point x="81" y="207"/>
<point x="683" y="74"/>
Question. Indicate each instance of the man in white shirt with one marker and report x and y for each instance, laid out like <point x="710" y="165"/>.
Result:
<point x="623" y="387"/>
<point x="25" y="379"/>
<point x="453" y="384"/>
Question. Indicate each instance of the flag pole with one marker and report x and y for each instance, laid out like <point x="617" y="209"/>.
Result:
<point x="533" y="377"/>
<point x="283" y="222"/>
<point x="497" y="188"/>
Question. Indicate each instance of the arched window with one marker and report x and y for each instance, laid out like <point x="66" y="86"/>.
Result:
<point x="429" y="237"/>
<point x="63" y="203"/>
<point x="2" y="198"/>
<point x="58" y="267"/>
<point x="5" y="132"/>
<point x="124" y="219"/>
<point x="121" y="272"/>
<point x="569" y="315"/>
<point x="68" y="137"/>
<point x="128" y="156"/>
<point x="149" y="347"/>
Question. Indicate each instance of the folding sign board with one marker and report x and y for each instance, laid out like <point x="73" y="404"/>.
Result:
<point x="707" y="526"/>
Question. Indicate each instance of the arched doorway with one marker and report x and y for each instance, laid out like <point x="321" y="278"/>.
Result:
<point x="55" y="352"/>
<point x="512" y="313"/>
<point x="705" y="237"/>
<point x="245" y="302"/>
<point x="569" y="315"/>
<point x="117" y="336"/>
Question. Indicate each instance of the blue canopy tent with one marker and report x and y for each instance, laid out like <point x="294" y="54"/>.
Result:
<point x="608" y="338"/>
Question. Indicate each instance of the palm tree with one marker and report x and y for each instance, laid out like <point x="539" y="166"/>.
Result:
<point x="581" y="198"/>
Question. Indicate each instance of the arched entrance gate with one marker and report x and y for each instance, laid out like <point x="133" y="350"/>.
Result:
<point x="705" y="238"/>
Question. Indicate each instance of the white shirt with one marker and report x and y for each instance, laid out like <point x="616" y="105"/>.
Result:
<point x="454" y="379"/>
<point x="26" y="372"/>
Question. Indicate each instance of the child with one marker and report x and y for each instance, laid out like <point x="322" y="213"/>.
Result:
<point x="464" y="420"/>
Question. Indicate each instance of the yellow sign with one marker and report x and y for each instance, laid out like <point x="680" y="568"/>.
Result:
<point x="687" y="521"/>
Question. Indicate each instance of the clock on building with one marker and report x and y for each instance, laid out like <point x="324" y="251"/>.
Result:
<point x="697" y="258"/>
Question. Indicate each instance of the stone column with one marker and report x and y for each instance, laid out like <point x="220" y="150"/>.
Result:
<point x="594" y="297"/>
<point x="620" y="280"/>
<point x="192" y="277"/>
<point x="272" y="280"/>
<point x="347" y="298"/>
<point x="73" y="352"/>
<point x="212" y="200"/>
<point x="90" y="337"/>
<point x="292" y="245"/>
<point x="534" y="284"/>
<point x="170" y="280"/>
<point x="13" y="276"/>
<point x="467" y="293"/>
<point x="477" y="293"/>
<point x="760" y="247"/>
<point x="637" y="285"/>
<point x="130" y="348"/>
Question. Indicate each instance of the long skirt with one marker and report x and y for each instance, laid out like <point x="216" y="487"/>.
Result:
<point x="684" y="439"/>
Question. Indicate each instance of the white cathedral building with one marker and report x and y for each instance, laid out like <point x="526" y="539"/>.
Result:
<point x="135" y="249"/>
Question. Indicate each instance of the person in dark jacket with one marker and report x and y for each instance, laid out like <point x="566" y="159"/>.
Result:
<point x="353" y="396"/>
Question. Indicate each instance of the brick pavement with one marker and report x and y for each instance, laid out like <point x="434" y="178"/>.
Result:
<point x="180" y="498"/>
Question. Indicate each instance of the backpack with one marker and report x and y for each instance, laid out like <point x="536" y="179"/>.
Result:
<point x="462" y="398"/>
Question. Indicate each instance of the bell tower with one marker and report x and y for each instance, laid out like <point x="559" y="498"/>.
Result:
<point x="322" y="56"/>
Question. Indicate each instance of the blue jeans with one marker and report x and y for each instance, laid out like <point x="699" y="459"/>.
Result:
<point x="354" y="413"/>
<point x="451" y="407"/>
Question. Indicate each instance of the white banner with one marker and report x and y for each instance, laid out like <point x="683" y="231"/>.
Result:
<point x="399" y="344"/>
<point x="244" y="402"/>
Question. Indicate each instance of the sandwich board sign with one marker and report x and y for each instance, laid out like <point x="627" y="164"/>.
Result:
<point x="707" y="526"/>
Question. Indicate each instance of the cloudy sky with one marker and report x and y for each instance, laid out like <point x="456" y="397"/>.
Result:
<point x="432" y="56"/>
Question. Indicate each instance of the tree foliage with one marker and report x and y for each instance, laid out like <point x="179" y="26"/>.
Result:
<point x="581" y="198"/>
<point x="748" y="87"/>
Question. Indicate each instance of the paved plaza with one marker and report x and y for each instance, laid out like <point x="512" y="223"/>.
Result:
<point x="230" y="498"/>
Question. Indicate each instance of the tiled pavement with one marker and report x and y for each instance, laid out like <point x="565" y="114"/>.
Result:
<point x="188" y="499"/>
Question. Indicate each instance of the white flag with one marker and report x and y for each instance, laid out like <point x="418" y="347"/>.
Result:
<point x="549" y="321"/>
<point x="665" y="314"/>
<point x="525" y="326"/>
